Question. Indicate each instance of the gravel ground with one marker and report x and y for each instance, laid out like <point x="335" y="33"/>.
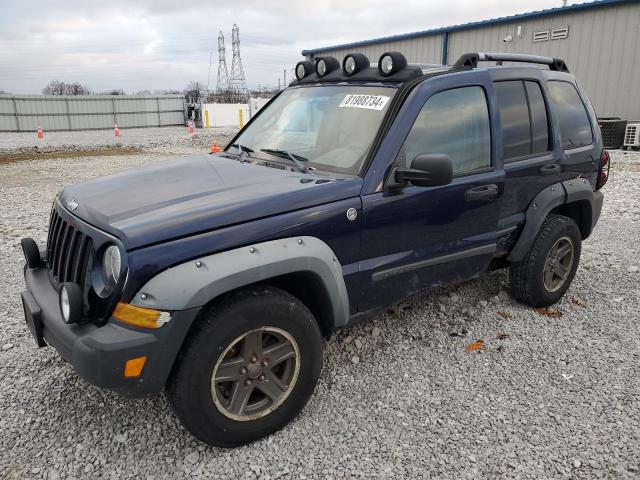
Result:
<point x="176" y="139"/>
<point x="545" y="397"/>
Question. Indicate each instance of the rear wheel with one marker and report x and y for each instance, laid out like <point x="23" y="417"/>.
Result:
<point x="545" y="274"/>
<point x="248" y="367"/>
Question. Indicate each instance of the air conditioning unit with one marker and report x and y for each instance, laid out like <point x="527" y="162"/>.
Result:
<point x="632" y="136"/>
<point x="613" y="130"/>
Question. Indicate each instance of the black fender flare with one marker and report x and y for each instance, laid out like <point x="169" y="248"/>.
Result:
<point x="569" y="191"/>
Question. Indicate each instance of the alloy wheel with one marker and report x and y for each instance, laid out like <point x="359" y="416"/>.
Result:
<point x="558" y="264"/>
<point x="255" y="374"/>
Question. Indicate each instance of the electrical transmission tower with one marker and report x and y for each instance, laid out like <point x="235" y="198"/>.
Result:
<point x="237" y="82"/>
<point x="223" y="75"/>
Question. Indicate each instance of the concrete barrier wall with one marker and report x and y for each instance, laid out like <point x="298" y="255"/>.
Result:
<point x="228" y="114"/>
<point x="24" y="113"/>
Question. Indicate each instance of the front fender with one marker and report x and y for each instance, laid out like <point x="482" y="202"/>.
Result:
<point x="197" y="282"/>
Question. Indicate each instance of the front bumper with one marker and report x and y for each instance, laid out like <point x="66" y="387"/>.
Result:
<point x="99" y="353"/>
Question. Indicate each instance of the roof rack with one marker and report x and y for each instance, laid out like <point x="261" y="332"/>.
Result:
<point x="470" y="60"/>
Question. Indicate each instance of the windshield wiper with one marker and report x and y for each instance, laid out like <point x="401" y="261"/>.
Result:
<point x="244" y="152"/>
<point x="288" y="155"/>
<point x="242" y="148"/>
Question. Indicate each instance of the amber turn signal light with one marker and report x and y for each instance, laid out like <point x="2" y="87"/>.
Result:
<point x="134" y="366"/>
<point x="139" y="316"/>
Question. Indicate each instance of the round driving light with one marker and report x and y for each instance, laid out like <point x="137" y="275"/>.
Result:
<point x="303" y="69"/>
<point x="65" y="309"/>
<point x="354" y="62"/>
<point x="321" y="68"/>
<point x="111" y="265"/>
<point x="71" y="302"/>
<point x="391" y="62"/>
<point x="349" y="65"/>
<point x="326" y="65"/>
<point x="386" y="65"/>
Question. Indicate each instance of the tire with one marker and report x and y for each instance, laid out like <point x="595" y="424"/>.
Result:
<point x="206" y="408"/>
<point x="527" y="280"/>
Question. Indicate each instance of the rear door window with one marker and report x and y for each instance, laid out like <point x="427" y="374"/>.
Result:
<point x="575" y="128"/>
<point x="523" y="116"/>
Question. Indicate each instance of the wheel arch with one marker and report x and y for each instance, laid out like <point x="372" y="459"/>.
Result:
<point x="304" y="266"/>
<point x="572" y="198"/>
<point x="580" y="212"/>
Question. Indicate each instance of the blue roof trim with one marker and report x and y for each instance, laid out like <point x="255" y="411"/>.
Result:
<point x="467" y="26"/>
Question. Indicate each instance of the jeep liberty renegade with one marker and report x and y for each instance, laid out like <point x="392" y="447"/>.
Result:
<point x="216" y="276"/>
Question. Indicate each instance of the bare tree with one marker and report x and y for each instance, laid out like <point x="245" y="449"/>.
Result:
<point x="56" y="87"/>
<point x="193" y="91"/>
<point x="113" y="91"/>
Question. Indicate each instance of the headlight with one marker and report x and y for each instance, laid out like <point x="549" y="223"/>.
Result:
<point x="391" y="62"/>
<point x="111" y="265"/>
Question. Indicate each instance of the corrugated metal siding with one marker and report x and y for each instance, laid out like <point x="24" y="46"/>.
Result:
<point x="88" y="112"/>
<point x="602" y="50"/>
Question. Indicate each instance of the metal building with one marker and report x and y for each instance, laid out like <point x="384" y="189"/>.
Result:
<point x="599" y="41"/>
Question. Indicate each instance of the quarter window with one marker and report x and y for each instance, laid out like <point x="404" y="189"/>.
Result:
<point x="514" y="117"/>
<point x="523" y="117"/>
<point x="575" y="128"/>
<point x="456" y="123"/>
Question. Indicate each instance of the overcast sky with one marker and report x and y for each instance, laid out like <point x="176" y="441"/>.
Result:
<point x="163" y="44"/>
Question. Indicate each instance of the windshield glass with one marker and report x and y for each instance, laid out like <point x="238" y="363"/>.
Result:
<point x="326" y="128"/>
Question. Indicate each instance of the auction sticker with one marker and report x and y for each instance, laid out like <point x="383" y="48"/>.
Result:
<point x="370" y="102"/>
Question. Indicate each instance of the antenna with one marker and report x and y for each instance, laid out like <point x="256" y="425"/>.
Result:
<point x="223" y="75"/>
<point x="237" y="82"/>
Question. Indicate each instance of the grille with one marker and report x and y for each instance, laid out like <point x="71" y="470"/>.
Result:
<point x="630" y="137"/>
<point x="68" y="251"/>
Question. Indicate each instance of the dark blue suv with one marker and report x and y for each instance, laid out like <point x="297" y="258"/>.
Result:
<point x="217" y="275"/>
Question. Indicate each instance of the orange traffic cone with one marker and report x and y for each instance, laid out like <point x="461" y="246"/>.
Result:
<point x="189" y="127"/>
<point x="215" y="148"/>
<point x="116" y="131"/>
<point x="40" y="134"/>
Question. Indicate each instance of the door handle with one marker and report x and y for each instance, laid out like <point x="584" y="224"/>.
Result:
<point x="550" y="169"/>
<point x="483" y="192"/>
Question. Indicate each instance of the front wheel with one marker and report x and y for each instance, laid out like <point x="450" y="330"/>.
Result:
<point x="546" y="272"/>
<point x="247" y="368"/>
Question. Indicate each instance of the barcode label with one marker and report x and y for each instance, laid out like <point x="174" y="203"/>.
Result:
<point x="370" y="102"/>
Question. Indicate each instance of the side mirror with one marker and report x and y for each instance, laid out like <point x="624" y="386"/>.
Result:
<point x="427" y="170"/>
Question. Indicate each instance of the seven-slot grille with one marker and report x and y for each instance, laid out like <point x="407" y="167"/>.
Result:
<point x="68" y="251"/>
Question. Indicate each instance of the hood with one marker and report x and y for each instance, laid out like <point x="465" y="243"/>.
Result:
<point x="182" y="197"/>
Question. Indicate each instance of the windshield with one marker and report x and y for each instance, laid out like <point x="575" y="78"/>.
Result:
<point x="325" y="128"/>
